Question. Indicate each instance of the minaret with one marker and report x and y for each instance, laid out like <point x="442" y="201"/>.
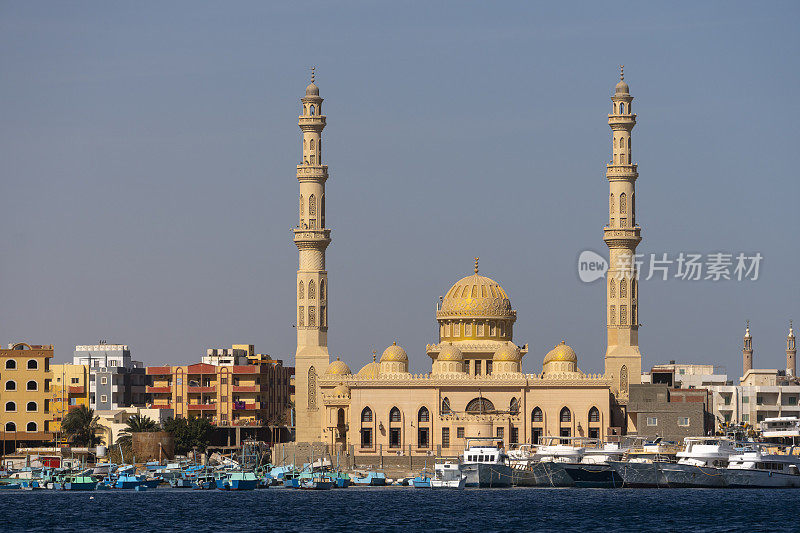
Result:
<point x="622" y="235"/>
<point x="747" y="351"/>
<point x="791" y="353"/>
<point x="312" y="238"/>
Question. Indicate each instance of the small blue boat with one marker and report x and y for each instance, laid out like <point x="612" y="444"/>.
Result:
<point x="10" y="486"/>
<point x="79" y="482"/>
<point x="238" y="481"/>
<point x="422" y="481"/>
<point x="371" y="479"/>
<point x="180" y="483"/>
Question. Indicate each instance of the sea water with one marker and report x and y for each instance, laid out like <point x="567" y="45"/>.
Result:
<point x="403" y="509"/>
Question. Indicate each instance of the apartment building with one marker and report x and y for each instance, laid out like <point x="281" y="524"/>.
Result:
<point x="26" y="376"/>
<point x="115" y="379"/>
<point x="69" y="389"/>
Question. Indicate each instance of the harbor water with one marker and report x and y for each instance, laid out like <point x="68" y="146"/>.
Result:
<point x="404" y="509"/>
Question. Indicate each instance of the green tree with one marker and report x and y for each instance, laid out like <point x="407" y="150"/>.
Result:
<point x="189" y="433"/>
<point x="80" y="425"/>
<point x="136" y="424"/>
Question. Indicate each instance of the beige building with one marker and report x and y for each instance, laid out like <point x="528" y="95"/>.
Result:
<point x="476" y="386"/>
<point x="25" y="394"/>
<point x="69" y="390"/>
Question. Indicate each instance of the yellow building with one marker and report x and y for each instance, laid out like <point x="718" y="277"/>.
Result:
<point x="25" y="376"/>
<point x="476" y="386"/>
<point x="69" y="389"/>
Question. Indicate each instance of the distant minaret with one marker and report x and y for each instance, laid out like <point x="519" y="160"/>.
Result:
<point x="623" y="359"/>
<point x="791" y="353"/>
<point x="747" y="351"/>
<point x="312" y="238"/>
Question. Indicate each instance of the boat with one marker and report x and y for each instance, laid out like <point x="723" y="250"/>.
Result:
<point x="486" y="465"/>
<point x="340" y="479"/>
<point x="641" y="466"/>
<point x="317" y="482"/>
<point x="10" y="486"/>
<point x="204" y="481"/>
<point x="700" y="464"/>
<point x="238" y="481"/>
<point x="422" y="481"/>
<point x="81" y="481"/>
<point x="780" y="427"/>
<point x="761" y="466"/>
<point x="127" y="481"/>
<point x="180" y="483"/>
<point x="593" y="470"/>
<point x="370" y="479"/>
<point x="447" y="476"/>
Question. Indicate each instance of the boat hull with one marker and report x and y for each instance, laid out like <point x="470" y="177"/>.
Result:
<point x="542" y="474"/>
<point x="449" y="484"/>
<point x="80" y="486"/>
<point x="593" y="475"/>
<point x="690" y="476"/>
<point x="237" y="484"/>
<point x="487" y="475"/>
<point x="759" y="479"/>
<point x="639" y="475"/>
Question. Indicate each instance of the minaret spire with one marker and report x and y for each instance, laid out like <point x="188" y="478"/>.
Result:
<point x="791" y="353"/>
<point x="476" y="264"/>
<point x="622" y="236"/>
<point x="747" y="350"/>
<point x="312" y="237"/>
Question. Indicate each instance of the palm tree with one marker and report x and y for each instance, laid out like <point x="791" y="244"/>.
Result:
<point x="136" y="424"/>
<point x="80" y="425"/>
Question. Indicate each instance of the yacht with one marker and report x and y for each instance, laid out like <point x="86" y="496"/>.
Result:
<point x="700" y="464"/>
<point x="447" y="476"/>
<point x="761" y="466"/>
<point x="641" y="466"/>
<point x="594" y="469"/>
<point x="780" y="427"/>
<point x="486" y="465"/>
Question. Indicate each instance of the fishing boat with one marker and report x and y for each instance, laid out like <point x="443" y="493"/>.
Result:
<point x="447" y="476"/>
<point x="204" y="481"/>
<point x="317" y="482"/>
<point x="82" y="481"/>
<point x="340" y="479"/>
<point x="238" y="481"/>
<point x="180" y="483"/>
<point x="758" y="466"/>
<point x="370" y="479"/>
<point x="486" y="465"/>
<point x="422" y="481"/>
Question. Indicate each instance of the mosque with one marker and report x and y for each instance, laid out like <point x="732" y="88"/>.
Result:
<point x="476" y="386"/>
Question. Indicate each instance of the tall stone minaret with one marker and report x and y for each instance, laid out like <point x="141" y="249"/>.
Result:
<point x="791" y="353"/>
<point x="747" y="351"/>
<point x="312" y="238"/>
<point x="622" y="235"/>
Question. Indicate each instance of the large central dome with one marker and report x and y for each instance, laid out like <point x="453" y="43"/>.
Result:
<point x="475" y="307"/>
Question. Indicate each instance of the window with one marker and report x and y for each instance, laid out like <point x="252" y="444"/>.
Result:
<point x="312" y="388"/>
<point x="103" y="398"/>
<point x="33" y="364"/>
<point x="11" y="385"/>
<point x="322" y="289"/>
<point x="32" y="385"/>
<point x="480" y="406"/>
<point x="623" y="289"/>
<point x="759" y="399"/>
<point x="11" y="364"/>
<point x="652" y="421"/>
<point x="476" y="363"/>
<point x="11" y="407"/>
<point x="422" y="438"/>
<point x="11" y="426"/>
<point x="513" y="407"/>
<point x="623" y="315"/>
<point x="500" y="433"/>
<point x="312" y="315"/>
<point x="312" y="290"/>
<point x="565" y="416"/>
<point x="745" y="399"/>
<point x="460" y="432"/>
<point x="612" y="288"/>
<point x="621" y="109"/>
<point x="300" y="291"/>
<point x="594" y="414"/>
<point x="301" y="316"/>
<point x="394" y="437"/>
<point x="446" y="406"/>
<point x="488" y="367"/>
<point x="366" y="437"/>
<point x="103" y="381"/>
<point x="623" y="203"/>
<point x="423" y="415"/>
<point x="683" y="421"/>
<point x="74" y="380"/>
<point x="791" y="400"/>
<point x="32" y="407"/>
<point x="31" y="427"/>
<point x="536" y="415"/>
<point x="745" y="417"/>
<point x="223" y="381"/>
<point x="445" y="437"/>
<point x="366" y="415"/>
<point x="611" y="315"/>
<point x="394" y="415"/>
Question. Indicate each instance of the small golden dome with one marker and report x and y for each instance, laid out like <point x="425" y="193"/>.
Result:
<point x="476" y="296"/>
<point x="562" y="352"/>
<point x="370" y="370"/>
<point x="338" y="368"/>
<point x="449" y="352"/>
<point x="341" y="390"/>
<point x="508" y="352"/>
<point x="394" y="353"/>
<point x="312" y="89"/>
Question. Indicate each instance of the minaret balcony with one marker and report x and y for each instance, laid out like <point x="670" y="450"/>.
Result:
<point x="312" y="172"/>
<point x="311" y="238"/>
<point x="311" y="123"/>
<point x="622" y="122"/>
<point x="621" y="172"/>
<point x="622" y="237"/>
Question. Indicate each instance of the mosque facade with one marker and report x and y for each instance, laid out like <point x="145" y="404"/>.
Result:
<point x="476" y="387"/>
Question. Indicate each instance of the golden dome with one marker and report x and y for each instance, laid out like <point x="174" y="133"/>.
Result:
<point x="450" y="353"/>
<point x="508" y="352"/>
<point x="341" y="390"/>
<point x="394" y="353"/>
<point x="312" y="89"/>
<point x="562" y="352"/>
<point x="370" y="370"/>
<point x="338" y="368"/>
<point x="476" y="297"/>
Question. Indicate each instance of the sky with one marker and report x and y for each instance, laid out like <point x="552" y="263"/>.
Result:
<point x="148" y="152"/>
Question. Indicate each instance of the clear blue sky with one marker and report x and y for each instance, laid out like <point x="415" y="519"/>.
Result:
<point x="148" y="150"/>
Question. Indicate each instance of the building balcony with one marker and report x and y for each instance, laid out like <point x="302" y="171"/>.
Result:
<point x="243" y="406"/>
<point x="246" y="369"/>
<point x="159" y="390"/>
<point x="247" y="388"/>
<point x="160" y="406"/>
<point x="77" y="389"/>
<point x="202" y="389"/>
<point x="159" y="370"/>
<point x="202" y="407"/>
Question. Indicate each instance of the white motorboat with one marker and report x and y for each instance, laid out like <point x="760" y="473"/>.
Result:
<point x="780" y="427"/>
<point x="700" y="464"/>
<point x="761" y="466"/>
<point x="486" y="465"/>
<point x="448" y="476"/>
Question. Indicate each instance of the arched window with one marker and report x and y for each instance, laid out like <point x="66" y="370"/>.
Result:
<point x="11" y="407"/>
<point x="623" y="378"/>
<point x="446" y="406"/>
<point x="622" y="203"/>
<point x="621" y="109"/>
<point x="312" y="315"/>
<point x="394" y="415"/>
<point x="11" y="426"/>
<point x="621" y="143"/>
<point x="312" y="388"/>
<point x="623" y="289"/>
<point x="340" y="417"/>
<point x="594" y="414"/>
<point x="611" y="204"/>
<point x="31" y="427"/>
<point x="31" y="407"/>
<point x="536" y="415"/>
<point x="302" y="206"/>
<point x="32" y="385"/>
<point x="312" y="205"/>
<point x="612" y="288"/>
<point x="629" y="142"/>
<point x="513" y="406"/>
<point x="322" y="211"/>
<point x="11" y="385"/>
<point x="33" y="364"/>
<point x="423" y="415"/>
<point x="301" y="292"/>
<point x="633" y="288"/>
<point x="301" y="315"/>
<point x="311" y="110"/>
<point x="565" y="416"/>
<point x="480" y="406"/>
<point x="11" y="364"/>
<point x="312" y="144"/>
<point x="322" y="289"/>
<point x="366" y="415"/>
<point x="612" y="315"/>
<point x="312" y="290"/>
